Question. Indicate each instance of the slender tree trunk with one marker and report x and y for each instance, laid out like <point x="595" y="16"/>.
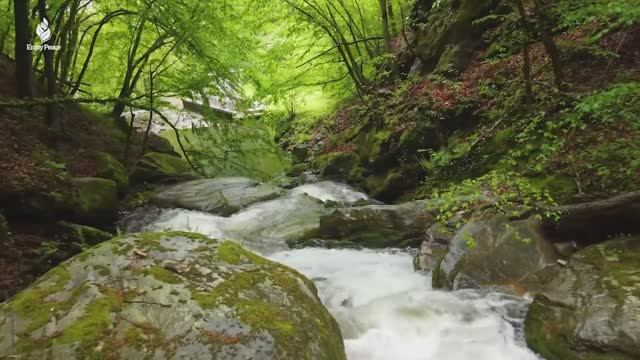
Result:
<point x="49" y="69"/>
<point x="384" y="15"/>
<point x="70" y="34"/>
<point x="526" y="58"/>
<point x="392" y="17"/>
<point x="22" y="55"/>
<point x="124" y="93"/>
<point x="545" y="23"/>
<point x="146" y="133"/>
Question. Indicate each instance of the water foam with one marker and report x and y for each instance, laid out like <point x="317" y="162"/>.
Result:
<point x="386" y="310"/>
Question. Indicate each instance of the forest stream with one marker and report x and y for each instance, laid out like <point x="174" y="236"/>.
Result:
<point x="385" y="309"/>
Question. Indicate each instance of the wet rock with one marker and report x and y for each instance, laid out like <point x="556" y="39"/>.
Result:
<point x="223" y="196"/>
<point x="169" y="296"/>
<point x="590" y="308"/>
<point x="110" y="168"/>
<point x="433" y="248"/>
<point x="378" y="226"/>
<point x="494" y="251"/>
<point x="159" y="167"/>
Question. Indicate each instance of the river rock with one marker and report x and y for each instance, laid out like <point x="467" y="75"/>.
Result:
<point x="338" y="164"/>
<point x="112" y="169"/>
<point x="590" y="308"/>
<point x="81" y="234"/>
<point x="378" y="226"/>
<point x="159" y="167"/>
<point x="223" y="196"/>
<point x="94" y="199"/>
<point x="159" y="144"/>
<point x="433" y="248"/>
<point x="169" y="296"/>
<point x="494" y="251"/>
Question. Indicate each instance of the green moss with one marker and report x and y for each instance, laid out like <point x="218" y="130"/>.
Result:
<point x="155" y="166"/>
<point x="110" y="168"/>
<point x="336" y="164"/>
<point x="94" y="195"/>
<point x="102" y="270"/>
<point x="28" y="303"/>
<point x="232" y="253"/>
<point x="93" y="325"/>
<point x="543" y="337"/>
<point x="162" y="274"/>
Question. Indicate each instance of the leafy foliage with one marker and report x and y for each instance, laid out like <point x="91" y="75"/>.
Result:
<point x="507" y="192"/>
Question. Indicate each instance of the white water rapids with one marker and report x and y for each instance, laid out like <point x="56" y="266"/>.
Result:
<point x="386" y="310"/>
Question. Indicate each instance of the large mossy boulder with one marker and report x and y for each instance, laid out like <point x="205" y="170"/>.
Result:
<point x="450" y="32"/>
<point x="94" y="199"/>
<point x="590" y="308"/>
<point x="378" y="226"/>
<point x="169" y="296"/>
<point x="159" y="144"/>
<point x="493" y="251"/>
<point x="112" y="169"/>
<point x="81" y="235"/>
<point x="163" y="168"/>
<point x="223" y="196"/>
<point x="338" y="164"/>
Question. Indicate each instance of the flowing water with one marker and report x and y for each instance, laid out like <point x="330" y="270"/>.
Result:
<point x="386" y="310"/>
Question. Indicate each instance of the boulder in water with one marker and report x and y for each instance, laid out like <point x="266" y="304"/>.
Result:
<point x="590" y="308"/>
<point x="169" y="296"/>
<point x="494" y="251"/>
<point x="159" y="167"/>
<point x="223" y="196"/>
<point x="378" y="226"/>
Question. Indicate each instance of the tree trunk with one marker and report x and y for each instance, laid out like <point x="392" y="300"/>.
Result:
<point x="526" y="58"/>
<point x="384" y="15"/>
<point x="22" y="55"/>
<point x="49" y="69"/>
<point x="392" y="17"/>
<point x="545" y="22"/>
<point x="124" y="93"/>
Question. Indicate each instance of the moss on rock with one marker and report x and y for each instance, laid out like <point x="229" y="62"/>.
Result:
<point x="336" y="164"/>
<point x="94" y="199"/>
<point x="82" y="234"/>
<point x="159" y="167"/>
<point x="166" y="294"/>
<point x="110" y="168"/>
<point x="589" y="309"/>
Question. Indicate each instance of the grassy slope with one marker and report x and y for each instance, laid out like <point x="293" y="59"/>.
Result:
<point x="580" y="145"/>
